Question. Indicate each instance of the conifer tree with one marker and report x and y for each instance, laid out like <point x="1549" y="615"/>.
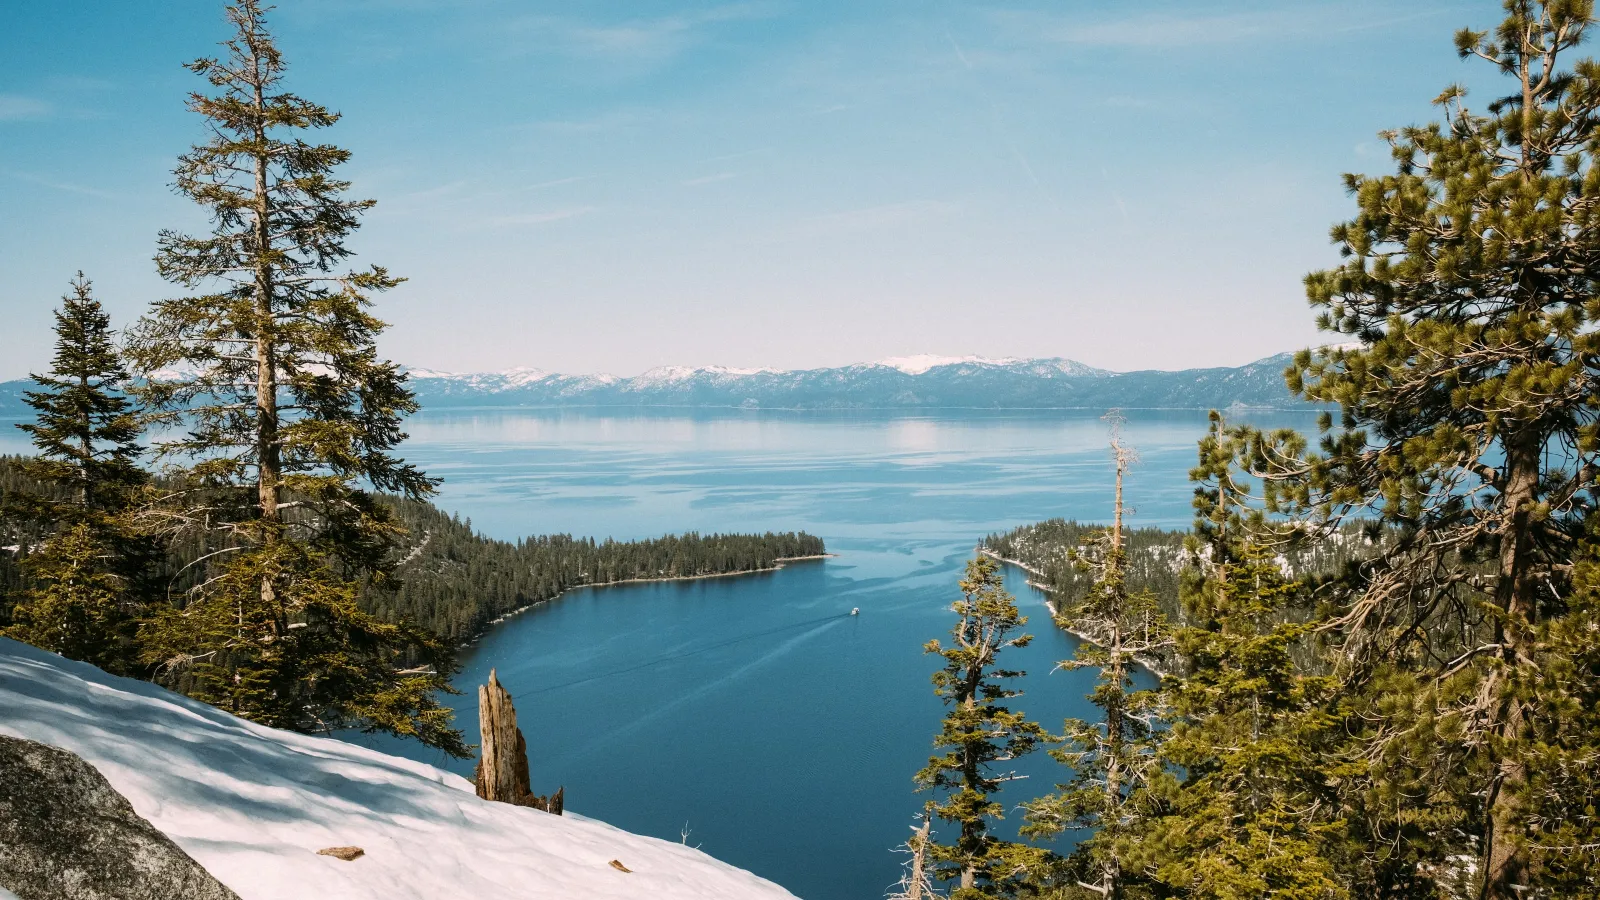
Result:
<point x="290" y="419"/>
<point x="85" y="428"/>
<point x="90" y="579"/>
<point x="1254" y="813"/>
<point x="980" y="732"/>
<point x="1468" y="426"/>
<point x="1112" y="759"/>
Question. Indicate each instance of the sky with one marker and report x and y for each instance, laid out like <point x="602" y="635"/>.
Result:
<point x="586" y="186"/>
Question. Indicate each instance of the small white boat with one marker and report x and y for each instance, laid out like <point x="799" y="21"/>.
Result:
<point x="855" y="611"/>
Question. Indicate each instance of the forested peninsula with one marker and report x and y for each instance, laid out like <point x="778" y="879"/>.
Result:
<point x="456" y="582"/>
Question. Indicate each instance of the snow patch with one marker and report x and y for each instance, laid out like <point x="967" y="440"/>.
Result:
<point x="922" y="362"/>
<point x="254" y="805"/>
<point x="671" y="374"/>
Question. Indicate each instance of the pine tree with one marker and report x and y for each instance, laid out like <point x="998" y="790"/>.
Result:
<point x="90" y="579"/>
<point x="1468" y="426"/>
<point x="1113" y="759"/>
<point x="85" y="429"/>
<point x="979" y="733"/>
<point x="1254" y="813"/>
<point x="289" y="417"/>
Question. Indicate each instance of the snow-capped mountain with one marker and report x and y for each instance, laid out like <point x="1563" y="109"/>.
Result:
<point x="914" y="382"/>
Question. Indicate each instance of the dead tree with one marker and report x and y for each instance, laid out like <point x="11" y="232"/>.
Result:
<point x="502" y="773"/>
<point x="917" y="883"/>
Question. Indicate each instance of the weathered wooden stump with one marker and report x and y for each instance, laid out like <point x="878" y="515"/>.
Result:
<point x="502" y="773"/>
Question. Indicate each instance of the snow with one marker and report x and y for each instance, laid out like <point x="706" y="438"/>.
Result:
<point x="253" y="805"/>
<point x="669" y="374"/>
<point x="495" y="381"/>
<point x="921" y="363"/>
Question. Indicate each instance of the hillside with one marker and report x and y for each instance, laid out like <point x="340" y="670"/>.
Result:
<point x="253" y="805"/>
<point x="920" y="382"/>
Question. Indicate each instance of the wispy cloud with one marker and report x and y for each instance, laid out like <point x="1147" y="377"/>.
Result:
<point x="872" y="218"/>
<point x="15" y="107"/>
<point x="605" y="121"/>
<point x="639" y="40"/>
<point x="82" y="83"/>
<point x="556" y="182"/>
<point x="432" y="193"/>
<point x="738" y="155"/>
<point x="711" y="179"/>
<point x="539" y="218"/>
<point x="1165" y="30"/>
<point x="69" y="187"/>
<point x="1157" y="30"/>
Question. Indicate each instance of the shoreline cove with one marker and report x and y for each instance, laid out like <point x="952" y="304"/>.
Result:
<point x="1146" y="663"/>
<point x="781" y="562"/>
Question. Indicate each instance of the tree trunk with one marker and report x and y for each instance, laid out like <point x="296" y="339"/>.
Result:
<point x="919" y="863"/>
<point x="1505" y="862"/>
<point x="502" y="773"/>
<point x="503" y="767"/>
<point x="268" y="469"/>
<point x="85" y="425"/>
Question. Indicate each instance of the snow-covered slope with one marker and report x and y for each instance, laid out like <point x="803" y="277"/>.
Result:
<point x="253" y="805"/>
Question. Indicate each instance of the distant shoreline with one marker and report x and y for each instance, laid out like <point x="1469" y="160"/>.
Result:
<point x="1055" y="619"/>
<point x="781" y="561"/>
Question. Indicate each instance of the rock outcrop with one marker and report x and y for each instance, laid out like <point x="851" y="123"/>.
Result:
<point x="66" y="834"/>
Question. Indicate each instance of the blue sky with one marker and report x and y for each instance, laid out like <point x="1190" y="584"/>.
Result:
<point x="609" y="186"/>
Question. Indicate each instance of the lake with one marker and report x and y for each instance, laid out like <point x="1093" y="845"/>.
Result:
<point x="753" y="712"/>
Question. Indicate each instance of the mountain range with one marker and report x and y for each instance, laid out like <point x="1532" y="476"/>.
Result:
<point x="915" y="382"/>
<point x="912" y="382"/>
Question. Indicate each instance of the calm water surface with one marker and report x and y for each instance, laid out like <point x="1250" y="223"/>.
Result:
<point x="753" y="712"/>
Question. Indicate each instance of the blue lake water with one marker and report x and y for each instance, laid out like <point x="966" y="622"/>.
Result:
<point x="780" y="732"/>
<point x="753" y="711"/>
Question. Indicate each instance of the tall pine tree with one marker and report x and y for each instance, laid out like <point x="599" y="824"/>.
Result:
<point x="1114" y="758"/>
<point x="90" y="580"/>
<point x="980" y="732"/>
<point x="1470" y="426"/>
<point x="290" y="418"/>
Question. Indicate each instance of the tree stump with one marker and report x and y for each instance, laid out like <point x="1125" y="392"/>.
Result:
<point x="502" y="773"/>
